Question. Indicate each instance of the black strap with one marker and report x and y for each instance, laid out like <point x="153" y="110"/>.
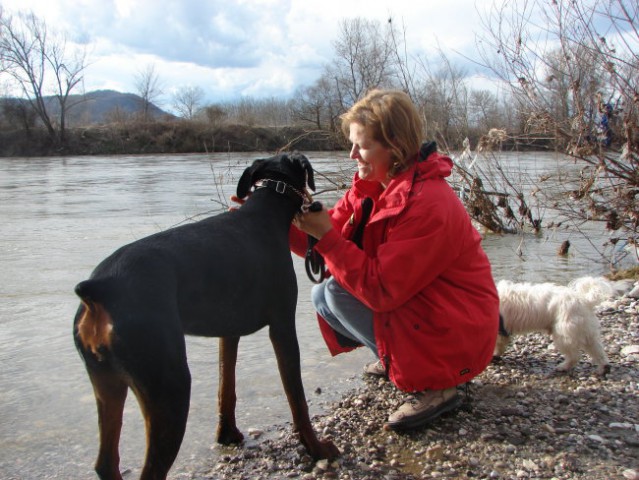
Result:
<point x="314" y="263"/>
<point x="426" y="149"/>
<point x="367" y="207"/>
<point x="282" y="188"/>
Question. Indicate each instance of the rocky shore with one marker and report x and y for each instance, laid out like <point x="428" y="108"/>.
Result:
<point x="520" y="419"/>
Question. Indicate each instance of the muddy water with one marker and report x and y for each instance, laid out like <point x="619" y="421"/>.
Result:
<point x="61" y="216"/>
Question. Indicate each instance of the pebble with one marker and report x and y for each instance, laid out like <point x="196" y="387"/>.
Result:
<point x="634" y="293"/>
<point x="630" y="350"/>
<point x="596" y="438"/>
<point x="631" y="474"/>
<point x="255" y="433"/>
<point x="435" y="453"/>
<point x="622" y="425"/>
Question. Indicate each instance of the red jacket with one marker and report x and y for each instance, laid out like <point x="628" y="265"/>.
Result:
<point x="422" y="271"/>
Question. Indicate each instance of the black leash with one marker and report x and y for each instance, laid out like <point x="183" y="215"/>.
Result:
<point x="314" y="263"/>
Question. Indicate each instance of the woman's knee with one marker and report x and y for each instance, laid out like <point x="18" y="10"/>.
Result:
<point x="333" y="290"/>
<point x="318" y="297"/>
<point x="330" y="300"/>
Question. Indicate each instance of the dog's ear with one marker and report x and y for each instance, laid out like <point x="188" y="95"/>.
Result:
<point x="310" y="181"/>
<point x="308" y="169"/>
<point x="246" y="180"/>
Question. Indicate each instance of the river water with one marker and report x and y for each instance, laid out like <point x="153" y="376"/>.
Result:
<point x="60" y="216"/>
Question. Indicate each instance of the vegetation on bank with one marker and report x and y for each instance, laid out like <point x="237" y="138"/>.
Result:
<point x="192" y="136"/>
<point x="174" y="136"/>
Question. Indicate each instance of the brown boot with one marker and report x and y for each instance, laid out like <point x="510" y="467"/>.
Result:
<point x="424" y="407"/>
<point x="376" y="368"/>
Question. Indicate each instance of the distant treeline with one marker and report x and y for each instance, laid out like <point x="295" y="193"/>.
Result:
<point x="179" y="136"/>
<point x="165" y="137"/>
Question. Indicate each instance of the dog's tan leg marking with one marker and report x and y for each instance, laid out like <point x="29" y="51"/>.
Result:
<point x="165" y="423"/>
<point x="288" y="361"/>
<point x="95" y="328"/>
<point x="110" y="394"/>
<point x="227" y="431"/>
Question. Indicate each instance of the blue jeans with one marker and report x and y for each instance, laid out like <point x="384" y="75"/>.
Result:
<point x="344" y="313"/>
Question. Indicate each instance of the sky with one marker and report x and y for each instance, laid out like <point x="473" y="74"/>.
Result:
<point x="235" y="48"/>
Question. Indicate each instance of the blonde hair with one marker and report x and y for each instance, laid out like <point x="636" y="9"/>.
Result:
<point x="392" y="119"/>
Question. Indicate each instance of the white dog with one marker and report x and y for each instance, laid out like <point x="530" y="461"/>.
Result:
<point x="565" y="312"/>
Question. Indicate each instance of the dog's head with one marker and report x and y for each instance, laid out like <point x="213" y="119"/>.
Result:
<point x="294" y="169"/>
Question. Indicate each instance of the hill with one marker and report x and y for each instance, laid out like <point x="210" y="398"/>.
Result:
<point x="92" y="108"/>
<point x="104" y="106"/>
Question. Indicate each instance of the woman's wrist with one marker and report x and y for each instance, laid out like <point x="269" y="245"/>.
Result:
<point x="319" y="234"/>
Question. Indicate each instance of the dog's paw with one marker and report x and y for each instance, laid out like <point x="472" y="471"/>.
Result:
<point x="563" y="372"/>
<point x="228" y="435"/>
<point x="567" y="366"/>
<point x="325" y="449"/>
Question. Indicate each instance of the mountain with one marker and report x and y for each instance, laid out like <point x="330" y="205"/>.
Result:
<point x="98" y="107"/>
<point x="104" y="106"/>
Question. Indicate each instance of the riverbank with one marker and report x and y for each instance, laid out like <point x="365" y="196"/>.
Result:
<point x="182" y="136"/>
<point x="520" y="420"/>
<point x="166" y="137"/>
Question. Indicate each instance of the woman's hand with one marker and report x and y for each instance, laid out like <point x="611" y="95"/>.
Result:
<point x="315" y="224"/>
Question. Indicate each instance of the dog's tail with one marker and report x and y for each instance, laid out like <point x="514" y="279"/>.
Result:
<point x="593" y="290"/>
<point x="94" y="323"/>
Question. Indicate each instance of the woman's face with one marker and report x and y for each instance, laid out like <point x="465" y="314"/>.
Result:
<point x="373" y="159"/>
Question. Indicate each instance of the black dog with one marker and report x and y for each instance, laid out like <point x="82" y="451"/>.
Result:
<point x="225" y="276"/>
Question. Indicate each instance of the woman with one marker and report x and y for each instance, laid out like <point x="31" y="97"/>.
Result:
<point x="418" y="289"/>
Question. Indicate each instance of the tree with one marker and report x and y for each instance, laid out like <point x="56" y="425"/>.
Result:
<point x="16" y="112"/>
<point x="147" y="84"/>
<point x="38" y="63"/>
<point x="364" y="59"/>
<point x="187" y="101"/>
<point x="576" y="81"/>
<point x="214" y="114"/>
<point x="315" y="106"/>
<point x="443" y="97"/>
<point x="484" y="111"/>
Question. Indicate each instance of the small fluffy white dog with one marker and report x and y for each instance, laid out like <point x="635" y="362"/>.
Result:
<point x="565" y="312"/>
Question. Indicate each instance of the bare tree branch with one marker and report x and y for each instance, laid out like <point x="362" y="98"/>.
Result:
<point x="39" y="63"/>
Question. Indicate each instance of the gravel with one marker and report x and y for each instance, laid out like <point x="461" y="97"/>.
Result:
<point x="519" y="419"/>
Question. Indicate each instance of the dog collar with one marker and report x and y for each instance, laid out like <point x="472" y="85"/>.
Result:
<point x="282" y="188"/>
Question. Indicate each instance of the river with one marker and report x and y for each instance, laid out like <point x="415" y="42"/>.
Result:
<point x="62" y="215"/>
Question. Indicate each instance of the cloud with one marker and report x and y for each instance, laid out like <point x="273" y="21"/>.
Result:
<point x="236" y="47"/>
<point x="213" y="34"/>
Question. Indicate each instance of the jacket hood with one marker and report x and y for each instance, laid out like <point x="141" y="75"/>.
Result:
<point x="394" y="197"/>
<point x="435" y="165"/>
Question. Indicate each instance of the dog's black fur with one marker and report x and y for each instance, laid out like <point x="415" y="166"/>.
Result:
<point x="225" y="276"/>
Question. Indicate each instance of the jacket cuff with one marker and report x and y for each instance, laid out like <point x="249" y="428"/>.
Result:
<point x="327" y="242"/>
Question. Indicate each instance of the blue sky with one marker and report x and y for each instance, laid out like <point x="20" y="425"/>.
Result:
<point x="232" y="48"/>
